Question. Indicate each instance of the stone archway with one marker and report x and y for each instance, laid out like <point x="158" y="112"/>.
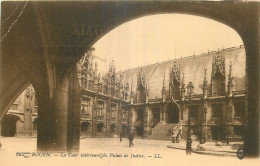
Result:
<point x="8" y="125"/>
<point x="85" y="126"/>
<point x="244" y="18"/>
<point x="85" y="129"/>
<point x="172" y="113"/>
<point x="35" y="123"/>
<point x="100" y="127"/>
<point x="113" y="129"/>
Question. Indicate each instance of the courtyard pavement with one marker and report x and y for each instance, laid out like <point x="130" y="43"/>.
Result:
<point x="109" y="151"/>
<point x="210" y="148"/>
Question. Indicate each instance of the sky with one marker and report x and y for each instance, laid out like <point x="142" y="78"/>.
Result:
<point x="158" y="38"/>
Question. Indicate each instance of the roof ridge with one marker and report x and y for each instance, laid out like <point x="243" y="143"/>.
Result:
<point x="187" y="57"/>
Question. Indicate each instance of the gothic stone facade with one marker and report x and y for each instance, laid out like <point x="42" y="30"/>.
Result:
<point x="153" y="99"/>
<point x="216" y="105"/>
<point x="21" y="118"/>
<point x="104" y="109"/>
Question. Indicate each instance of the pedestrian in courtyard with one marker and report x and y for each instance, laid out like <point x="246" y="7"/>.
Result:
<point x="120" y="136"/>
<point x="131" y="136"/>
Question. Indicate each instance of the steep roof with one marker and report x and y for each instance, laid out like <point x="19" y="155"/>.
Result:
<point x="193" y="68"/>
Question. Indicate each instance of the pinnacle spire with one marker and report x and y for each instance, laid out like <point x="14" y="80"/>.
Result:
<point x="230" y="79"/>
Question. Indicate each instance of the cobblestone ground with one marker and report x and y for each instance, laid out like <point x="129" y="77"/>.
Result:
<point x="109" y="151"/>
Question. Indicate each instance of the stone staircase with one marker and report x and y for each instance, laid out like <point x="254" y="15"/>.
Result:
<point x="162" y="132"/>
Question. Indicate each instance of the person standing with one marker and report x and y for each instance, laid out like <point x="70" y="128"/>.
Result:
<point x="131" y="138"/>
<point x="120" y="135"/>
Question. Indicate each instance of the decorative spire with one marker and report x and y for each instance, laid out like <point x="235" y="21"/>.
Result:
<point x="205" y="79"/>
<point x="182" y="82"/>
<point x="132" y="94"/>
<point x="230" y="82"/>
<point x="147" y="88"/>
<point x="205" y="85"/>
<point x="230" y="79"/>
<point x="182" y="88"/>
<point x="131" y="91"/>
<point x="112" y="68"/>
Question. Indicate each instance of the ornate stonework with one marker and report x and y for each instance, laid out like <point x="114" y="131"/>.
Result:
<point x="218" y="65"/>
<point x="175" y="82"/>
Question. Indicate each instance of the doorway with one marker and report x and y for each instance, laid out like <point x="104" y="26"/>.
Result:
<point x="8" y="125"/>
<point x="172" y="113"/>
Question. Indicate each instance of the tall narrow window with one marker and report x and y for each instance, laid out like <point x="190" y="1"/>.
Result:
<point x="239" y="109"/>
<point x="86" y="106"/>
<point x="123" y="114"/>
<point x="217" y="110"/>
<point x="113" y="111"/>
<point x="194" y="111"/>
<point x="100" y="108"/>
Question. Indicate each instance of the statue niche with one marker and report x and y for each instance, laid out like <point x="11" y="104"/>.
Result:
<point x="218" y="77"/>
<point x="142" y="88"/>
<point x="175" y="82"/>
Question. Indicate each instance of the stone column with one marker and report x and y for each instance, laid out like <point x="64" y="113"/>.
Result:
<point x="129" y="119"/>
<point x="147" y="119"/>
<point x="229" y="118"/>
<point x="27" y="131"/>
<point x="119" y="117"/>
<point x="56" y="131"/>
<point x="182" y="109"/>
<point x="161" y="112"/>
<point x="53" y="119"/>
<point x="108" y="110"/>
<point x="164" y="114"/>
<point x="74" y="112"/>
<point x="251" y="40"/>
<point x="205" y="106"/>
<point x="94" y="116"/>
<point x="204" y="117"/>
<point x="132" y="118"/>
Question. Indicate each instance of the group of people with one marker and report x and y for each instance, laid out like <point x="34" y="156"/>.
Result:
<point x="131" y="136"/>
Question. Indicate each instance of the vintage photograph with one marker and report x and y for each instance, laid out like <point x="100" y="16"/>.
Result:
<point x="129" y="83"/>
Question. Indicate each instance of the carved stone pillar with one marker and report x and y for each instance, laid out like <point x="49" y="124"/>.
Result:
<point x="108" y="110"/>
<point x="59" y="116"/>
<point x="120" y="117"/>
<point x="94" y="116"/>
<point x="147" y="119"/>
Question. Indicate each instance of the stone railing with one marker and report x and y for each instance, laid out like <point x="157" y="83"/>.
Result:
<point x="177" y="128"/>
<point x="139" y="102"/>
<point x="215" y="94"/>
<point x="197" y="96"/>
<point x="155" y="100"/>
<point x="194" y="96"/>
<point x="240" y="92"/>
<point x="157" y="127"/>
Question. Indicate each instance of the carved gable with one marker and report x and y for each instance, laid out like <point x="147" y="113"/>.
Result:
<point x="218" y="76"/>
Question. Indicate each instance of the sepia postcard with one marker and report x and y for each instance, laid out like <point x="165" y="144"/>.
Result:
<point x="129" y="83"/>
